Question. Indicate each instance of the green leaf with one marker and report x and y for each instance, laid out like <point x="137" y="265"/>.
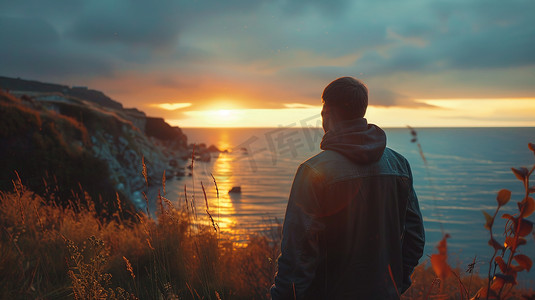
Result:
<point x="489" y="220"/>
<point x="504" y="195"/>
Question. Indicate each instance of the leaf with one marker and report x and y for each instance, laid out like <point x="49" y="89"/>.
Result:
<point x="484" y="293"/>
<point x="527" y="207"/>
<point x="508" y="216"/>
<point x="520" y="173"/>
<point x="517" y="268"/>
<point x="440" y="266"/>
<point x="442" y="246"/>
<point x="531" y="147"/>
<point x="489" y="220"/>
<point x="501" y="263"/>
<point x="439" y="261"/>
<point x="510" y="242"/>
<point x="497" y="284"/>
<point x="506" y="278"/>
<point x="500" y="280"/>
<point x="504" y="195"/>
<point x="497" y="246"/>
<point x="523" y="261"/>
<point x="524" y="228"/>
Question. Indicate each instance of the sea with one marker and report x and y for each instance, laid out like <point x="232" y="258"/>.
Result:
<point x="457" y="175"/>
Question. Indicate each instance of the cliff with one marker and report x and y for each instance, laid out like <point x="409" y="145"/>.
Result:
<point x="31" y="86"/>
<point x="64" y="141"/>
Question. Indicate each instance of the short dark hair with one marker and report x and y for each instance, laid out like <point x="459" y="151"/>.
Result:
<point x="347" y="97"/>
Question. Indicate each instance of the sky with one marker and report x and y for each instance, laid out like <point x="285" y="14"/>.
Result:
<point x="245" y="63"/>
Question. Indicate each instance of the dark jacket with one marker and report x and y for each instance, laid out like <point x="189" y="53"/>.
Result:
<point x="353" y="228"/>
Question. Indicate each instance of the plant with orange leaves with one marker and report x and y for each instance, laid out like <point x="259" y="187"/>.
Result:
<point x="517" y="228"/>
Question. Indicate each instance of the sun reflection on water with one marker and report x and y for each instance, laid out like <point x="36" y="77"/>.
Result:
<point x="237" y="216"/>
<point x="222" y="172"/>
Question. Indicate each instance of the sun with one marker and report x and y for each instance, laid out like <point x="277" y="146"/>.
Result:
<point x="219" y="114"/>
<point x="224" y="112"/>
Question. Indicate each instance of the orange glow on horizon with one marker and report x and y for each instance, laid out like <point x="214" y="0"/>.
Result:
<point x="231" y="103"/>
<point x="514" y="112"/>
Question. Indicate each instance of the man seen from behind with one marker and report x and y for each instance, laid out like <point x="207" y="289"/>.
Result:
<point x="353" y="227"/>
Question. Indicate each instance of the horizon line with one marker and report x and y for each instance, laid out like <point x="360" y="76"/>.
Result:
<point x="386" y="127"/>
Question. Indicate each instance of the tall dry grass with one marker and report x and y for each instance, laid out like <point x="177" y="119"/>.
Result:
<point x="56" y="252"/>
<point x="53" y="252"/>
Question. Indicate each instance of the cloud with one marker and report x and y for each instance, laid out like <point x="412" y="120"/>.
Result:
<point x="464" y="35"/>
<point x="129" y="23"/>
<point x="33" y="48"/>
<point x="171" y="106"/>
<point x="330" y="8"/>
<point x="299" y="105"/>
<point x="381" y="97"/>
<point x="154" y="25"/>
<point x="20" y="32"/>
<point x="268" y="53"/>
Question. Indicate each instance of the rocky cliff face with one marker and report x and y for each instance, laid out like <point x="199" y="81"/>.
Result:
<point x="119" y="138"/>
<point x="31" y="86"/>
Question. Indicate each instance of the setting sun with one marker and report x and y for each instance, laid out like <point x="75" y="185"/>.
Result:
<point x="224" y="112"/>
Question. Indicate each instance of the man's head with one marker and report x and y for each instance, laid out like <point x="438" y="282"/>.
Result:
<point x="345" y="98"/>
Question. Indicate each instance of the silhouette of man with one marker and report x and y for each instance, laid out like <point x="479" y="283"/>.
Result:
<point x="353" y="227"/>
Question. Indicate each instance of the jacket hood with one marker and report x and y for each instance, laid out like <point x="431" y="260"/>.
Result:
<point x="357" y="140"/>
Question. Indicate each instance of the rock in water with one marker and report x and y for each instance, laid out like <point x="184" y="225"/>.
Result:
<point x="235" y="189"/>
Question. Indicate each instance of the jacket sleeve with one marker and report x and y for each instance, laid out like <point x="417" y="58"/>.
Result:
<point x="300" y="238"/>
<point x="414" y="237"/>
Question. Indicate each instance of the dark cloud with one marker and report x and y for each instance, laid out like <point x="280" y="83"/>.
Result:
<point x="379" y="96"/>
<point x="498" y="48"/>
<point x="37" y="8"/>
<point x="329" y="8"/>
<point x="32" y="47"/>
<point x="464" y="36"/>
<point x="154" y="26"/>
<point x="150" y="24"/>
<point x="21" y="32"/>
<point x="292" y="47"/>
<point x="384" y="97"/>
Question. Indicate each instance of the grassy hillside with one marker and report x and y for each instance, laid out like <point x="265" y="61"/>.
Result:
<point x="48" y="151"/>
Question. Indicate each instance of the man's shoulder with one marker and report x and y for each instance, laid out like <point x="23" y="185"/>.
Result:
<point x="329" y="155"/>
<point x="323" y="158"/>
<point x="392" y="154"/>
<point x="334" y="165"/>
<point x="319" y="157"/>
<point x="396" y="161"/>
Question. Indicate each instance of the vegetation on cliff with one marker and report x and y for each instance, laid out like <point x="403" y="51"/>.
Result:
<point x="50" y="151"/>
<point x="83" y="144"/>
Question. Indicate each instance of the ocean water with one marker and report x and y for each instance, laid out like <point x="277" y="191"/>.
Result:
<point x="465" y="169"/>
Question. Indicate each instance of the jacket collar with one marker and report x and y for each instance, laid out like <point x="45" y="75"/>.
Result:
<point x="356" y="139"/>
